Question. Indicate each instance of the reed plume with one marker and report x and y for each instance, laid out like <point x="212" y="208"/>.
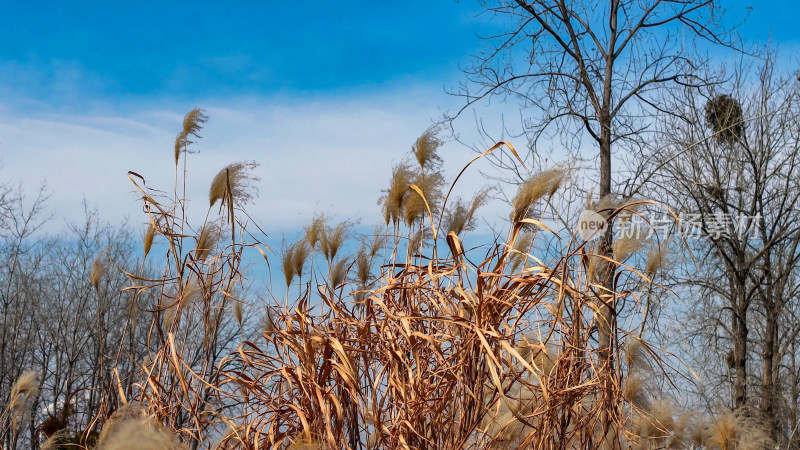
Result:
<point x="394" y="200"/>
<point x="460" y="216"/>
<point x="333" y="239"/>
<point x="287" y="264"/>
<point x="363" y="266"/>
<point x="234" y="182"/>
<point x="627" y="246"/>
<point x="655" y="259"/>
<point x="378" y="243"/>
<point x="520" y="250"/>
<point x="534" y="189"/>
<point x="338" y="272"/>
<point x="426" y="147"/>
<point x="192" y="124"/>
<point x="207" y="240"/>
<point x="97" y="271"/>
<point x="141" y="434"/>
<point x="299" y="257"/>
<point x="315" y="231"/>
<point x="23" y="392"/>
<point x="431" y="186"/>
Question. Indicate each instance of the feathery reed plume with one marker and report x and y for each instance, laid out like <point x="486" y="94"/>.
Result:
<point x="129" y="411"/>
<point x="315" y="231"/>
<point x="207" y="240"/>
<point x="333" y="239"/>
<point x="633" y="390"/>
<point x="378" y="243"/>
<point x="305" y="442"/>
<point x="431" y="186"/>
<point x="627" y="245"/>
<point x="606" y="205"/>
<point x="520" y="250"/>
<point x="363" y="265"/>
<point x="192" y="124"/>
<point x="55" y="441"/>
<point x="148" y="239"/>
<point x="459" y="217"/>
<point x="338" y="272"/>
<point x="299" y="257"/>
<point x="141" y="434"/>
<point x="192" y="292"/>
<point x="394" y="199"/>
<point x="542" y="356"/>
<point x="416" y="241"/>
<point x="634" y="357"/>
<point x="23" y="391"/>
<point x="234" y="181"/>
<point x="656" y="425"/>
<point x="168" y="311"/>
<point x="238" y="312"/>
<point x="738" y="430"/>
<point x="269" y="322"/>
<point x="425" y="149"/>
<point x="534" y="189"/>
<point x="97" y="271"/>
<point x="287" y="264"/>
<point x="655" y="259"/>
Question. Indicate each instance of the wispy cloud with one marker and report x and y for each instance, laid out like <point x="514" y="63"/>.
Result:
<point x="331" y="155"/>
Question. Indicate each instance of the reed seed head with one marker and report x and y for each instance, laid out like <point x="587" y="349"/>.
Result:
<point x="97" y="271"/>
<point x="460" y="216"/>
<point x="207" y="240"/>
<point x="338" y="272"/>
<point x="315" y="231"/>
<point x="521" y="249"/>
<point x="234" y="182"/>
<point x="426" y="147"/>
<point x="333" y="239"/>
<point x="431" y="186"/>
<point x="192" y="124"/>
<point x="655" y="259"/>
<point x="141" y="434"/>
<point x="394" y="200"/>
<point x="534" y="189"/>
<point x="299" y="257"/>
<point x="627" y="246"/>
<point x="378" y="242"/>
<point x="23" y="392"/>
<point x="287" y="264"/>
<point x="363" y="265"/>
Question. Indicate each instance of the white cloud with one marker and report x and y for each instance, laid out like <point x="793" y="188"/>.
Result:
<point x="331" y="155"/>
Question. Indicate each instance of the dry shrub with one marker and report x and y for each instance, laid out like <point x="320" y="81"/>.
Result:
<point x="434" y="351"/>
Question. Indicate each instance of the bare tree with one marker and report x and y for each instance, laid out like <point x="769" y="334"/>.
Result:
<point x="596" y="68"/>
<point x="732" y="165"/>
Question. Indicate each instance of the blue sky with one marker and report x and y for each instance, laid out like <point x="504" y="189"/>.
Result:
<point x="60" y="52"/>
<point x="93" y="89"/>
<point x="190" y="50"/>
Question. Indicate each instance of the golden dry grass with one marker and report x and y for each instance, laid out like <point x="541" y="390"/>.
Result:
<point x="431" y="351"/>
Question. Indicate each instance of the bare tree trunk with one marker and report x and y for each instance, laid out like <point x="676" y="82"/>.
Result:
<point x="740" y="354"/>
